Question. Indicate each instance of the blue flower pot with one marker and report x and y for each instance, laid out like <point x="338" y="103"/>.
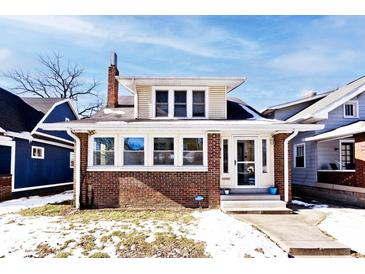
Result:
<point x="273" y="190"/>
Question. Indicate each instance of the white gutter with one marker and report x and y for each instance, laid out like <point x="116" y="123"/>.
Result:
<point x="78" y="166"/>
<point x="286" y="164"/>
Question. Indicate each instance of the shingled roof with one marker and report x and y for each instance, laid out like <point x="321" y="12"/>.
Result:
<point x="22" y="114"/>
<point x="15" y="114"/>
<point x="41" y="104"/>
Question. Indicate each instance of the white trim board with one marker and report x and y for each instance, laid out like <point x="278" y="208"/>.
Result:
<point x="40" y="187"/>
<point x="51" y="109"/>
<point x="27" y="136"/>
<point x="53" y="137"/>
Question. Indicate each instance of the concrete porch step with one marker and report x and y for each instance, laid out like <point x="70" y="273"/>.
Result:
<point x="249" y="197"/>
<point x="255" y="206"/>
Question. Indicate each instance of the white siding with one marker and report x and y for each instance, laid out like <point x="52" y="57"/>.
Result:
<point x="144" y="102"/>
<point x="217" y="102"/>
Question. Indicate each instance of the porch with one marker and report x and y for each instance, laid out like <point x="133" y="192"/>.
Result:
<point x="341" y="155"/>
<point x="250" y="165"/>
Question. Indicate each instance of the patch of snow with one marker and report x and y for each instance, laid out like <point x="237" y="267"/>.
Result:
<point x="228" y="237"/>
<point x="112" y="111"/>
<point x="301" y="203"/>
<point x="347" y="225"/>
<point x="34" y="201"/>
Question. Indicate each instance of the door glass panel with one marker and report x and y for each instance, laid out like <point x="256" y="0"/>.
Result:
<point x="246" y="150"/>
<point x="246" y="174"/>
<point x="245" y="162"/>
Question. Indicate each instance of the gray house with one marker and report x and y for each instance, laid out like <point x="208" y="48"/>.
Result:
<point x="329" y="163"/>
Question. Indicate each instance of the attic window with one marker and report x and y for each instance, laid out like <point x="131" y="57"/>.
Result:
<point x="37" y="152"/>
<point x="351" y="109"/>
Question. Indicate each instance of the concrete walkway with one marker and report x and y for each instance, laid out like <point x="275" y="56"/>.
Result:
<point x="297" y="234"/>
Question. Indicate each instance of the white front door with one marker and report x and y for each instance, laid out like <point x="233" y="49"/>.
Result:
<point x="245" y="161"/>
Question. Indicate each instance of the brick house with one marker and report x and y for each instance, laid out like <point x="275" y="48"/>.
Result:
<point x="175" y="138"/>
<point x="329" y="163"/>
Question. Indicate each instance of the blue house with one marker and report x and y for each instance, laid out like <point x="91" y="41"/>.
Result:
<point x="329" y="163"/>
<point x="32" y="159"/>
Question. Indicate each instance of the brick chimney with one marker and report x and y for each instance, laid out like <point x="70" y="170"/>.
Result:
<point x="112" y="82"/>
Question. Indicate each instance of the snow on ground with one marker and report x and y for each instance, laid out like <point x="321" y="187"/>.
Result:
<point x="224" y="235"/>
<point x="228" y="237"/>
<point x="347" y="225"/>
<point x="301" y="203"/>
<point x="33" y="201"/>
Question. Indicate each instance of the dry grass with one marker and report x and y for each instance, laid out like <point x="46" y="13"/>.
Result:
<point x="86" y="216"/>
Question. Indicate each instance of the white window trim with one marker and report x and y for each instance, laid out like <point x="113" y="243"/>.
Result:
<point x="295" y="155"/>
<point x="171" y="103"/>
<point x="72" y="157"/>
<point x="91" y="148"/>
<point x="205" y="151"/>
<point x="355" y="103"/>
<point x="122" y="148"/>
<point x="37" y="157"/>
<point x="340" y="150"/>
<point x="148" y="153"/>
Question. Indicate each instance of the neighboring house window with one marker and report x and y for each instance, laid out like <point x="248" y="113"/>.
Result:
<point x="103" y="151"/>
<point x="350" y="109"/>
<point x="133" y="151"/>
<point x="192" y="151"/>
<point x="347" y="155"/>
<point x="198" y="103"/>
<point x="264" y="155"/>
<point x="72" y="159"/>
<point x="225" y="155"/>
<point x="180" y="109"/>
<point x="162" y="103"/>
<point x="163" y="151"/>
<point x="37" y="152"/>
<point x="299" y="155"/>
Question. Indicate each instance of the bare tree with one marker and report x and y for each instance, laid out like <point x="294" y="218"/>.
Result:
<point x="58" y="78"/>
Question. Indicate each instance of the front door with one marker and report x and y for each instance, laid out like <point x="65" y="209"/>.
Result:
<point x="245" y="162"/>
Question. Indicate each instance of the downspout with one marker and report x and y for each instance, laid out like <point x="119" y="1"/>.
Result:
<point x="286" y="164"/>
<point x="77" y="166"/>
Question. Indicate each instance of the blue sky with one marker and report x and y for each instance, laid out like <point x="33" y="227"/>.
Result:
<point x="282" y="57"/>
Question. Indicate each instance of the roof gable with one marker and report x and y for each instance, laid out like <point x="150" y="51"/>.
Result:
<point x="320" y="109"/>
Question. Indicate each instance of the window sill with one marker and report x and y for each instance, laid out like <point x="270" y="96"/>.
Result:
<point x="150" y="168"/>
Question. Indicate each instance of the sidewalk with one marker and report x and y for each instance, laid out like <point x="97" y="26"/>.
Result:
<point x="297" y="234"/>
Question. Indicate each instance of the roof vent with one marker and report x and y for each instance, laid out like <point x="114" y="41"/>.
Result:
<point x="309" y="93"/>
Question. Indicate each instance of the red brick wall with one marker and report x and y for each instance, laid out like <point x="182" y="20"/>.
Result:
<point x="360" y="160"/>
<point x="214" y="169"/>
<point x="5" y="187"/>
<point x="112" y="87"/>
<point x="84" y="195"/>
<point x="279" y="164"/>
<point x="143" y="189"/>
<point x="337" y="178"/>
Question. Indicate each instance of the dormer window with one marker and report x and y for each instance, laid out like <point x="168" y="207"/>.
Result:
<point x="162" y="103"/>
<point x="351" y="109"/>
<point x="198" y="103"/>
<point x="180" y="102"/>
<point x="180" y="109"/>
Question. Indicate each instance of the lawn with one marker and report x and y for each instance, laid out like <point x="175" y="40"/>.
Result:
<point x="58" y="230"/>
